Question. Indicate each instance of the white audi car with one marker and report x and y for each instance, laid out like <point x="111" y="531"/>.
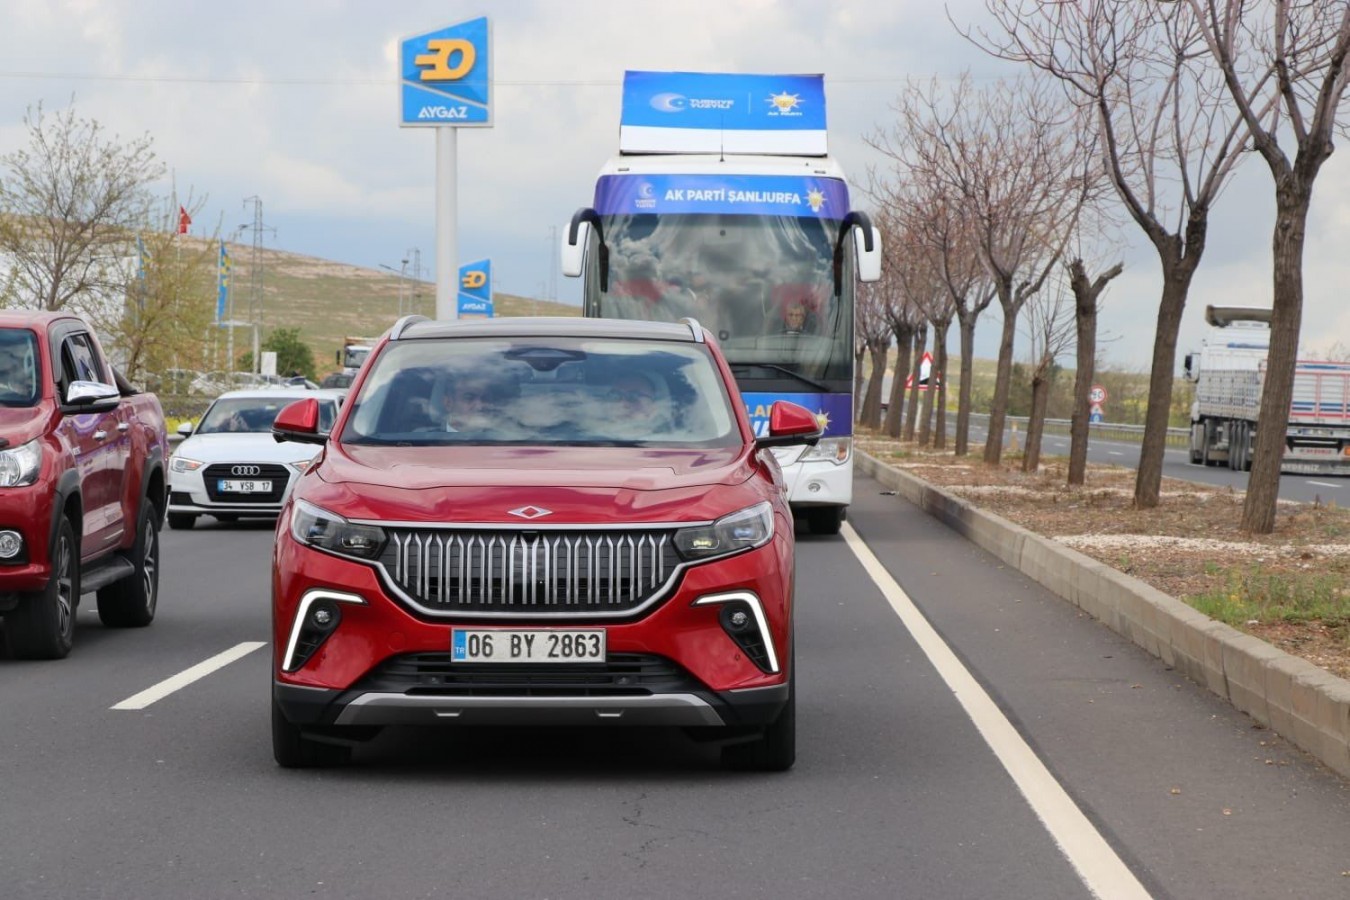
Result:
<point x="230" y="467"/>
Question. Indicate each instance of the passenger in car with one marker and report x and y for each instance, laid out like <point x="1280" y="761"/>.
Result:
<point x="462" y="403"/>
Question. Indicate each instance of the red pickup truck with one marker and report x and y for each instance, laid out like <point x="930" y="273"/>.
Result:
<point x="82" y="485"/>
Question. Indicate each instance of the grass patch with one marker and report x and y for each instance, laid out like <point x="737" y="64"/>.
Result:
<point x="1254" y="594"/>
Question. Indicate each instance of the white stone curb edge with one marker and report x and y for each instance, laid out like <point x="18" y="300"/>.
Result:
<point x="1304" y="704"/>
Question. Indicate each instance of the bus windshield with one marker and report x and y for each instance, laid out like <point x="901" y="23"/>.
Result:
<point x="764" y="284"/>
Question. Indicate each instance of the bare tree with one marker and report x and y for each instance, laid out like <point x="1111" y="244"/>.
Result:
<point x="1168" y="139"/>
<point x="69" y="202"/>
<point x="1087" y="293"/>
<point x="873" y="342"/>
<point x="1050" y="328"/>
<point x="1284" y="66"/>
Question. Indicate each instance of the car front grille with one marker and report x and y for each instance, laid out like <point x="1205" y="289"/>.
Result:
<point x="277" y="474"/>
<point x="623" y="674"/>
<point x="530" y="573"/>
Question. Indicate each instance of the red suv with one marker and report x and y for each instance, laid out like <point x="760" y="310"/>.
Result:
<point x="537" y="521"/>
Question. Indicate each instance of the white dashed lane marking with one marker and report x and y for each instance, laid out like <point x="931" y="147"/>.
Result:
<point x="187" y="676"/>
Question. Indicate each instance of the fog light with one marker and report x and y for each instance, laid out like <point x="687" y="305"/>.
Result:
<point x="323" y="616"/>
<point x="11" y="544"/>
<point x="739" y="619"/>
<point x="814" y="487"/>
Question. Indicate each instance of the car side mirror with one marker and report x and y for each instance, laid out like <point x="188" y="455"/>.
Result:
<point x="90" y="397"/>
<point x="790" y="424"/>
<point x="185" y="429"/>
<point x="299" y="422"/>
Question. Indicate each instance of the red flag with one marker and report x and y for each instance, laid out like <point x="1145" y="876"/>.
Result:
<point x="184" y="220"/>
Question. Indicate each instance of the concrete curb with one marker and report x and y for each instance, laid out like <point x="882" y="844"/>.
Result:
<point x="1306" y="705"/>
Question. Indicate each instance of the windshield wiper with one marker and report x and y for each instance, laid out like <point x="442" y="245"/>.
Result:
<point x="737" y="368"/>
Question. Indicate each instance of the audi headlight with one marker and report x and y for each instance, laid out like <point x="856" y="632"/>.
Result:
<point x="183" y="464"/>
<point x="317" y="527"/>
<point x="19" y="465"/>
<point x="835" y="450"/>
<point x="750" y="527"/>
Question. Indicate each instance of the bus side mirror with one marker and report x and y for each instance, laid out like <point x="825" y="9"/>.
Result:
<point x="869" y="258"/>
<point x="574" y="255"/>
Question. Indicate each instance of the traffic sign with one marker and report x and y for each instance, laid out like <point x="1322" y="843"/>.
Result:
<point x="1097" y="395"/>
<point x="925" y="371"/>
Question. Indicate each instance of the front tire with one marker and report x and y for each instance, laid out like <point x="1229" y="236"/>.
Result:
<point x="131" y="602"/>
<point x="292" y="750"/>
<point x="825" y="519"/>
<point x="42" y="626"/>
<point x="776" y="749"/>
<point x="182" y="521"/>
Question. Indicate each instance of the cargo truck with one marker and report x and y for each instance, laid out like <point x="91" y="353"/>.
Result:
<point x="1229" y="373"/>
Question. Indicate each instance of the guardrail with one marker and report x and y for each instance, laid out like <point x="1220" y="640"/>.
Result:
<point x="1176" y="437"/>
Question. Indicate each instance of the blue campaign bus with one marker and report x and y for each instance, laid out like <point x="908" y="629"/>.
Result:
<point x="723" y="206"/>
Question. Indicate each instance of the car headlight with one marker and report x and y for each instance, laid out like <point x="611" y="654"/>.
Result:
<point x="749" y="527"/>
<point x="183" y="464"/>
<point x="835" y="450"/>
<point x="317" y="527"/>
<point x="19" y="465"/>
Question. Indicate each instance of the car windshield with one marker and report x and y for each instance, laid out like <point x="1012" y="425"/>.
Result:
<point x="254" y="415"/>
<point x="18" y="367"/>
<point x="573" y="391"/>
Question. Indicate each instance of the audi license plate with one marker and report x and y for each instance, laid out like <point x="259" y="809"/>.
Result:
<point x="244" y="487"/>
<point x="527" y="645"/>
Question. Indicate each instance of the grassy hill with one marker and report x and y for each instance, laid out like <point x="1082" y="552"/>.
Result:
<point x="328" y="301"/>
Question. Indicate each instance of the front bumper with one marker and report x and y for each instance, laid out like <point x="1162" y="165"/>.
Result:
<point x="27" y="510"/>
<point x="673" y="664"/>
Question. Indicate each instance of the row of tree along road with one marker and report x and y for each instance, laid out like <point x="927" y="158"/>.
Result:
<point x="1011" y="191"/>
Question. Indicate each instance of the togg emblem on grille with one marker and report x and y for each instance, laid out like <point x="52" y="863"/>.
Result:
<point x="531" y="512"/>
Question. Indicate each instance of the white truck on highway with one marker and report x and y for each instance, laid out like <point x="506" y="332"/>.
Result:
<point x="1229" y="375"/>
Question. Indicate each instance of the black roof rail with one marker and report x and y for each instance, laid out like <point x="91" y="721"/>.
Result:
<point x="402" y="325"/>
<point x="694" y="327"/>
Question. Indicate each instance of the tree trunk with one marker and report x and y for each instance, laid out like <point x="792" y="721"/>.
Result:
<point x="871" y="417"/>
<point x="858" y="356"/>
<point x="939" y="378"/>
<point x="967" y="329"/>
<point x="1293" y="196"/>
<point x="998" y="411"/>
<point x="1040" y="398"/>
<point x="1085" y="296"/>
<point x="915" y="389"/>
<point x="1176" y="285"/>
<point x="904" y="340"/>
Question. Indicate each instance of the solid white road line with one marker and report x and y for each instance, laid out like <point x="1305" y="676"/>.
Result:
<point x="1115" y="453"/>
<point x="1323" y="483"/>
<point x="1102" y="871"/>
<point x="187" y="676"/>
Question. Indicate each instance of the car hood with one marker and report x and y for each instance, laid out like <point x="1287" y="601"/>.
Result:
<point x="574" y="484"/>
<point x="262" y="448"/>
<point x="20" y="424"/>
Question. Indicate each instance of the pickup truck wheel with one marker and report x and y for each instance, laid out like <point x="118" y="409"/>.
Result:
<point x="292" y="750"/>
<point x="42" y="626"/>
<point x="776" y="749"/>
<point x="130" y="603"/>
<point x="181" y="521"/>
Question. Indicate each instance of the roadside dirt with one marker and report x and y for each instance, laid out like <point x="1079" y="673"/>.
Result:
<point x="1290" y="588"/>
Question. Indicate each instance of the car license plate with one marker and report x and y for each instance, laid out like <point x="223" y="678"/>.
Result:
<point x="527" y="645"/>
<point x="244" y="487"/>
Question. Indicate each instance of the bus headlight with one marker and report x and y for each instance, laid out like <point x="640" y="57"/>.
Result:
<point x="835" y="450"/>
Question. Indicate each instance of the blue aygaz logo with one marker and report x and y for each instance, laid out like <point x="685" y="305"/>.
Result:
<point x="445" y="77"/>
<point x="475" y="290"/>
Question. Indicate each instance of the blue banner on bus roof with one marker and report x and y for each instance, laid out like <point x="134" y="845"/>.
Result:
<point x="701" y="112"/>
<point x="745" y="195"/>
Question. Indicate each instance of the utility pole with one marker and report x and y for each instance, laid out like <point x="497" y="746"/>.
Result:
<point x="255" y="300"/>
<point x="415" y="302"/>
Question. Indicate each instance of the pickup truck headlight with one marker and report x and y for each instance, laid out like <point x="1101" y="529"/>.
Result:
<point x="749" y="527"/>
<point x="183" y="464"/>
<point x="317" y="527"/>
<point x="835" y="450"/>
<point x="19" y="465"/>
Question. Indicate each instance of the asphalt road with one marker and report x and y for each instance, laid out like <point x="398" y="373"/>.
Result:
<point x="1177" y="464"/>
<point x="1063" y="757"/>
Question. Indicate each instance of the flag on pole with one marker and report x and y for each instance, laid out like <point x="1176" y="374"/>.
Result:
<point x="184" y="220"/>
<point x="222" y="283"/>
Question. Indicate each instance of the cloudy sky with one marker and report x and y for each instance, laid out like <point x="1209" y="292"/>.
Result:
<point x="296" y="103"/>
